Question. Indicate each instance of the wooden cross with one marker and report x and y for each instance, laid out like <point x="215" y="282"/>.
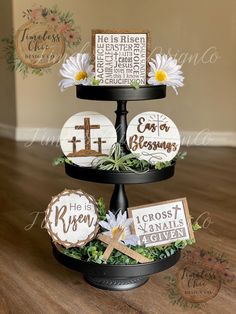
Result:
<point x="87" y="127"/>
<point x="99" y="142"/>
<point x="74" y="141"/>
<point x="113" y="243"/>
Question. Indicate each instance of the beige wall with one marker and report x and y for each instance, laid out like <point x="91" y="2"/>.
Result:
<point x="208" y="97"/>
<point x="7" y="78"/>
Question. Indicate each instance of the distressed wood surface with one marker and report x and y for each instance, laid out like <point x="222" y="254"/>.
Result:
<point x="33" y="282"/>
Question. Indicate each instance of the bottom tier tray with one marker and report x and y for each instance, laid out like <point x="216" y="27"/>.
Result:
<point x="115" y="277"/>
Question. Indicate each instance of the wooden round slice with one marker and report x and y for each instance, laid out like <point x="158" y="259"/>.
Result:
<point x="38" y="45"/>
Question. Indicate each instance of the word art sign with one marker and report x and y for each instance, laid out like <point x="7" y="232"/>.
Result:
<point x="86" y="137"/>
<point x="120" y="57"/>
<point x="71" y="218"/>
<point x="162" y="223"/>
<point x="153" y="136"/>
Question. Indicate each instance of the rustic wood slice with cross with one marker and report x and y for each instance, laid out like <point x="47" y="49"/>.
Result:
<point x="91" y="135"/>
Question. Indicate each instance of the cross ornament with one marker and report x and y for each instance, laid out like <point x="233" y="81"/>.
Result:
<point x="87" y="127"/>
<point x="99" y="142"/>
<point x="113" y="243"/>
<point x="74" y="141"/>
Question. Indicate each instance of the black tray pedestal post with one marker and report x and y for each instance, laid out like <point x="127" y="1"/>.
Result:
<point x="121" y="125"/>
<point x="119" y="200"/>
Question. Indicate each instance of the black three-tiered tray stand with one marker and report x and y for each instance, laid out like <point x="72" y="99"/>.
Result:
<point x="105" y="276"/>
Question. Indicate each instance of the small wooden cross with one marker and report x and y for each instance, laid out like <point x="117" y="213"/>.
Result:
<point x="99" y="142"/>
<point x="176" y="210"/>
<point x="74" y="141"/>
<point x="113" y="243"/>
<point x="87" y="127"/>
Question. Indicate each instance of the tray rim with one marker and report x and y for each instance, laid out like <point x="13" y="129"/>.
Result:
<point x="120" y="93"/>
<point x="119" y="177"/>
<point x="117" y="270"/>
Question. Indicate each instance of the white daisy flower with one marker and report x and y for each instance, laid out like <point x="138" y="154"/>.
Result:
<point x="113" y="224"/>
<point x="165" y="71"/>
<point x="76" y="70"/>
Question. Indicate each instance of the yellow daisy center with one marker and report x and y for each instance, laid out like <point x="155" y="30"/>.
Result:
<point x="81" y="75"/>
<point x="160" y="75"/>
<point x="115" y="230"/>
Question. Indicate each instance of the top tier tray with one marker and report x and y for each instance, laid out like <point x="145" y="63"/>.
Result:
<point x="117" y="93"/>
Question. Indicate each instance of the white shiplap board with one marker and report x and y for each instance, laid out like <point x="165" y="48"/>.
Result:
<point x="153" y="136"/>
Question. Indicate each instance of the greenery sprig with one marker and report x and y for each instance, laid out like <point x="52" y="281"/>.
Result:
<point x="101" y="209"/>
<point x="95" y="82"/>
<point x="160" y="165"/>
<point x="135" y="84"/>
<point x="115" y="161"/>
<point x="61" y="160"/>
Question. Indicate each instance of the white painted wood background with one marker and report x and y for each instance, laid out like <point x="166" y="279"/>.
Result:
<point x="172" y="136"/>
<point x="107" y="132"/>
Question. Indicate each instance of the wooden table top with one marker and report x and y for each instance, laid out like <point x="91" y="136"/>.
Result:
<point x="33" y="282"/>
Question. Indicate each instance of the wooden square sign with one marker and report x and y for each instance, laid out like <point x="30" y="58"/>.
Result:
<point x="162" y="223"/>
<point x="120" y="57"/>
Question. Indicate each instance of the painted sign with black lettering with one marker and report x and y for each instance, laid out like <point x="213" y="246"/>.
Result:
<point x="71" y="218"/>
<point x="120" y="57"/>
<point x="153" y="136"/>
<point x="162" y="223"/>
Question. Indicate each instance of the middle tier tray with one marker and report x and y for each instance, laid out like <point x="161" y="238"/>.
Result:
<point x="118" y="177"/>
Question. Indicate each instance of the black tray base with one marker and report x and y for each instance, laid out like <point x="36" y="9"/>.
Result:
<point x="116" y="284"/>
<point x="115" y="277"/>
